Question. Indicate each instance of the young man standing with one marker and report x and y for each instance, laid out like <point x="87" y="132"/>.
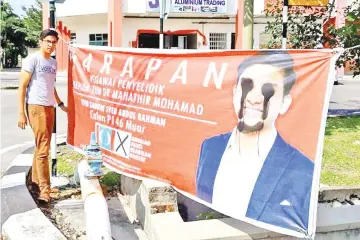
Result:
<point x="37" y="97"/>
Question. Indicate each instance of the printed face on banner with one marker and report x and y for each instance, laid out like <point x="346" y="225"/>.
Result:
<point x="226" y="129"/>
<point x="259" y="97"/>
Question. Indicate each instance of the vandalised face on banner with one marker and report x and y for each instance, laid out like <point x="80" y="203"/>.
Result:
<point x="260" y="96"/>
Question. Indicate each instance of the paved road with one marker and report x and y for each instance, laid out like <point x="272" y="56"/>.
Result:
<point x="10" y="134"/>
<point x="346" y="95"/>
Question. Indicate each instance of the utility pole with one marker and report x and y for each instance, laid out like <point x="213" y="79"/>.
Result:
<point x="248" y="28"/>
<point x="161" y="35"/>
<point x="53" y="137"/>
<point x="164" y="13"/>
<point x="284" y="24"/>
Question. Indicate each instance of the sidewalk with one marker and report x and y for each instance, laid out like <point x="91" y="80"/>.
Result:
<point x="21" y="218"/>
<point x="10" y="79"/>
<point x="16" y="72"/>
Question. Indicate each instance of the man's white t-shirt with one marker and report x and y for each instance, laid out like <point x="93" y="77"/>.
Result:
<point x="40" y="90"/>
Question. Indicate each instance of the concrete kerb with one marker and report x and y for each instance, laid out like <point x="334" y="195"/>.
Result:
<point x="334" y="113"/>
<point x="20" y="216"/>
<point x="164" y="221"/>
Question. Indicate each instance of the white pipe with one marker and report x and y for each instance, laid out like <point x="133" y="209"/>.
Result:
<point x="95" y="206"/>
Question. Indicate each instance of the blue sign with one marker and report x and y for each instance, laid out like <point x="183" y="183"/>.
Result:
<point x="153" y="5"/>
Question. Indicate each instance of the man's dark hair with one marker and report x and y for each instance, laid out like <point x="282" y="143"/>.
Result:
<point x="279" y="59"/>
<point x="49" y="32"/>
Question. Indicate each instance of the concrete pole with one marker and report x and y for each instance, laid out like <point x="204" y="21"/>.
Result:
<point x="239" y="25"/>
<point x="248" y="24"/>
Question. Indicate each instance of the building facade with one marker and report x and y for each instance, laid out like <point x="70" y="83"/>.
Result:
<point x="191" y="24"/>
<point x="213" y="28"/>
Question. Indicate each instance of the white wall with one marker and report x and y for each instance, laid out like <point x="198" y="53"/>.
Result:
<point x="85" y="25"/>
<point x="258" y="29"/>
<point x="81" y="7"/>
<point x="97" y="23"/>
<point x="259" y="6"/>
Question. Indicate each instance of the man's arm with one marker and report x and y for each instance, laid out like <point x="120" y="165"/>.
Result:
<point x="58" y="101"/>
<point x="25" y="78"/>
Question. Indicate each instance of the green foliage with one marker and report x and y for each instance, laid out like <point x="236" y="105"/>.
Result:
<point x="305" y="31"/>
<point x="12" y="42"/>
<point x="111" y="179"/>
<point x="32" y="26"/>
<point x="348" y="36"/>
<point x="18" y="33"/>
<point x="209" y="215"/>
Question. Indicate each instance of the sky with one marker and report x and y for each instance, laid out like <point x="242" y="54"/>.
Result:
<point x="17" y="5"/>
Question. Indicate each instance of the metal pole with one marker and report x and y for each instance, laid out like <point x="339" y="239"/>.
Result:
<point x="285" y="19"/>
<point x="53" y="137"/>
<point x="161" y="35"/>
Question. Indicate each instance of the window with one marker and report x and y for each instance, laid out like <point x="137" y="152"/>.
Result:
<point x="73" y="37"/>
<point x="218" y="40"/>
<point x="98" y="39"/>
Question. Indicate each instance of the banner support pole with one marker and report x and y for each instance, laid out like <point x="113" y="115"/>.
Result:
<point x="53" y="137"/>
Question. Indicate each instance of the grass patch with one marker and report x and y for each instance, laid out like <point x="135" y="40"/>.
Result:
<point x="67" y="161"/>
<point x="110" y="179"/>
<point x="341" y="157"/>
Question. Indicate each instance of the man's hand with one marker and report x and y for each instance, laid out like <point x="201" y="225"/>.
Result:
<point x="64" y="108"/>
<point x="25" y="78"/>
<point x="22" y="121"/>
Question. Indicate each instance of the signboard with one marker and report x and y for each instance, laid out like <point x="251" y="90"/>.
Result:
<point x="190" y="6"/>
<point x="239" y="131"/>
<point x="315" y="3"/>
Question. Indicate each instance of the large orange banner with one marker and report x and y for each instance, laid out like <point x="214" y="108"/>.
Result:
<point x="239" y="131"/>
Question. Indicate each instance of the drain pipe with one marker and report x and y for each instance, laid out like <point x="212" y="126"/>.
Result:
<point x="95" y="206"/>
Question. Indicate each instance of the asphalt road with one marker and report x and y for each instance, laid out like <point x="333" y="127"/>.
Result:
<point x="346" y="95"/>
<point x="12" y="137"/>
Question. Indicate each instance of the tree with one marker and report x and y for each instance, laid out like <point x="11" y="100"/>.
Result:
<point x="305" y="30"/>
<point x="32" y="26"/>
<point x="12" y="42"/>
<point x="348" y="36"/>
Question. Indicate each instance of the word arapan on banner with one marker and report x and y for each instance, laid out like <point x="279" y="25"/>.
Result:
<point x="154" y="64"/>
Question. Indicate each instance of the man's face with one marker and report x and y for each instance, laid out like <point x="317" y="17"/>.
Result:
<point x="48" y="44"/>
<point x="258" y="97"/>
